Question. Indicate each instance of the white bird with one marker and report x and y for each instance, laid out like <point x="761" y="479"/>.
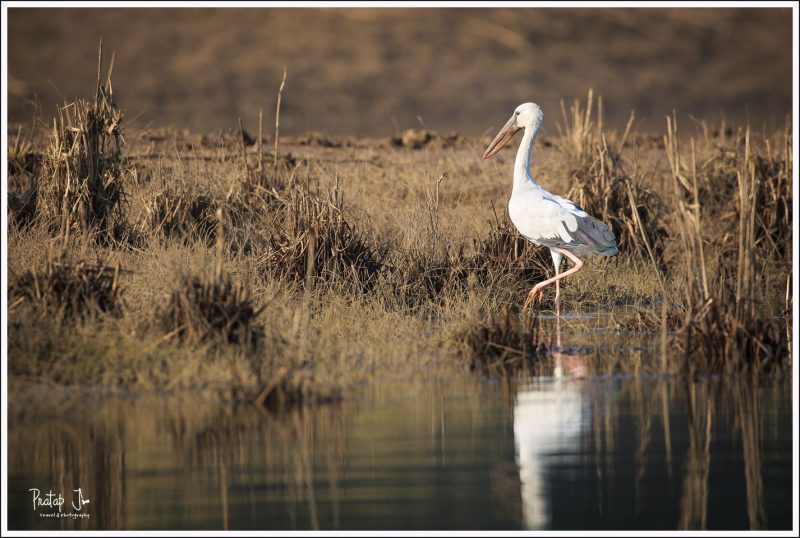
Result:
<point x="545" y="218"/>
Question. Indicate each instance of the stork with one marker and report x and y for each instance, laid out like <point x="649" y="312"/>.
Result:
<point x="544" y="218"/>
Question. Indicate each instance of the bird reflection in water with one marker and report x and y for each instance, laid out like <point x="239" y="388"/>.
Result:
<point x="548" y="418"/>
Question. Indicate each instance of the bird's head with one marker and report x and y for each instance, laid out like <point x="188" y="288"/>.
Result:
<point x="525" y="116"/>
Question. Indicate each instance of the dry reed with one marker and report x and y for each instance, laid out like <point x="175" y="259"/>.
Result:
<point x="602" y="186"/>
<point x="80" y="186"/>
<point x="723" y="328"/>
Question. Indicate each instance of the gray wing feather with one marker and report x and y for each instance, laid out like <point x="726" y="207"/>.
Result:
<point x="591" y="236"/>
<point x="595" y="235"/>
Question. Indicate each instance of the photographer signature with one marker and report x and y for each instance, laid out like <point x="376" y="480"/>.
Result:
<point x="56" y="500"/>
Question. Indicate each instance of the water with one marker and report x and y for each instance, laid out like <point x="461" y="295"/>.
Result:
<point x="558" y="452"/>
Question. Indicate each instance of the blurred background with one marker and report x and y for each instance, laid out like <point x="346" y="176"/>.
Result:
<point x="372" y="72"/>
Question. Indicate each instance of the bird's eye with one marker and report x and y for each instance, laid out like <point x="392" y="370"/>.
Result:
<point x="516" y="113"/>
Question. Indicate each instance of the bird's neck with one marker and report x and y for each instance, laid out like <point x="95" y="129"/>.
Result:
<point x="522" y="166"/>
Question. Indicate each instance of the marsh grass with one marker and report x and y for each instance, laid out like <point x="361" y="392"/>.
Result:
<point x="320" y="240"/>
<point x="211" y="308"/>
<point x="773" y="218"/>
<point x="188" y="214"/>
<point x="602" y="186"/>
<point x="269" y="174"/>
<point x="216" y="307"/>
<point x="66" y="288"/>
<point x="80" y="187"/>
<point x="723" y="327"/>
<point x="21" y="207"/>
<point x="430" y="264"/>
<point x="348" y="261"/>
<point x="424" y="279"/>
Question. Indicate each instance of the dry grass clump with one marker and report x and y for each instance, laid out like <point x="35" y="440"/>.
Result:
<point x="723" y="328"/>
<point x="80" y="185"/>
<point x="602" y="187"/>
<point x="266" y="178"/>
<point x="189" y="213"/>
<point x="503" y="344"/>
<point x="217" y="308"/>
<point x="713" y="338"/>
<point x="68" y="289"/>
<point x="421" y="276"/>
<point x="433" y="267"/>
<point x="320" y="240"/>
<point x="576" y="137"/>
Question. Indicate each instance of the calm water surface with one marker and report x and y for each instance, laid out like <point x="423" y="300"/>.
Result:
<point x="563" y="451"/>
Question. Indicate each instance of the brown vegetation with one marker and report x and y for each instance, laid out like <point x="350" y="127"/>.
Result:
<point x="186" y="214"/>
<point x="80" y="186"/>
<point x="310" y="295"/>
<point x="203" y="308"/>
<point x="63" y="288"/>
<point x="723" y="327"/>
<point x="318" y="239"/>
<point x="602" y="187"/>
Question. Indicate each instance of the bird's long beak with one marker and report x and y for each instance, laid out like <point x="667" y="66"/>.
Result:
<point x="505" y="134"/>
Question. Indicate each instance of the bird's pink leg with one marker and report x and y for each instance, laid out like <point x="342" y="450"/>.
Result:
<point x="558" y="296"/>
<point x="537" y="289"/>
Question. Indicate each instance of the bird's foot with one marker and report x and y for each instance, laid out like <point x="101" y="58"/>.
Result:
<point x="535" y="296"/>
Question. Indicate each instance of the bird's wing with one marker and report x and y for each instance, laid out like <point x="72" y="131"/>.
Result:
<point x="554" y="221"/>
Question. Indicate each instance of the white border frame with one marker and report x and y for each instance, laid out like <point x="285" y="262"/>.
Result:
<point x="391" y="4"/>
